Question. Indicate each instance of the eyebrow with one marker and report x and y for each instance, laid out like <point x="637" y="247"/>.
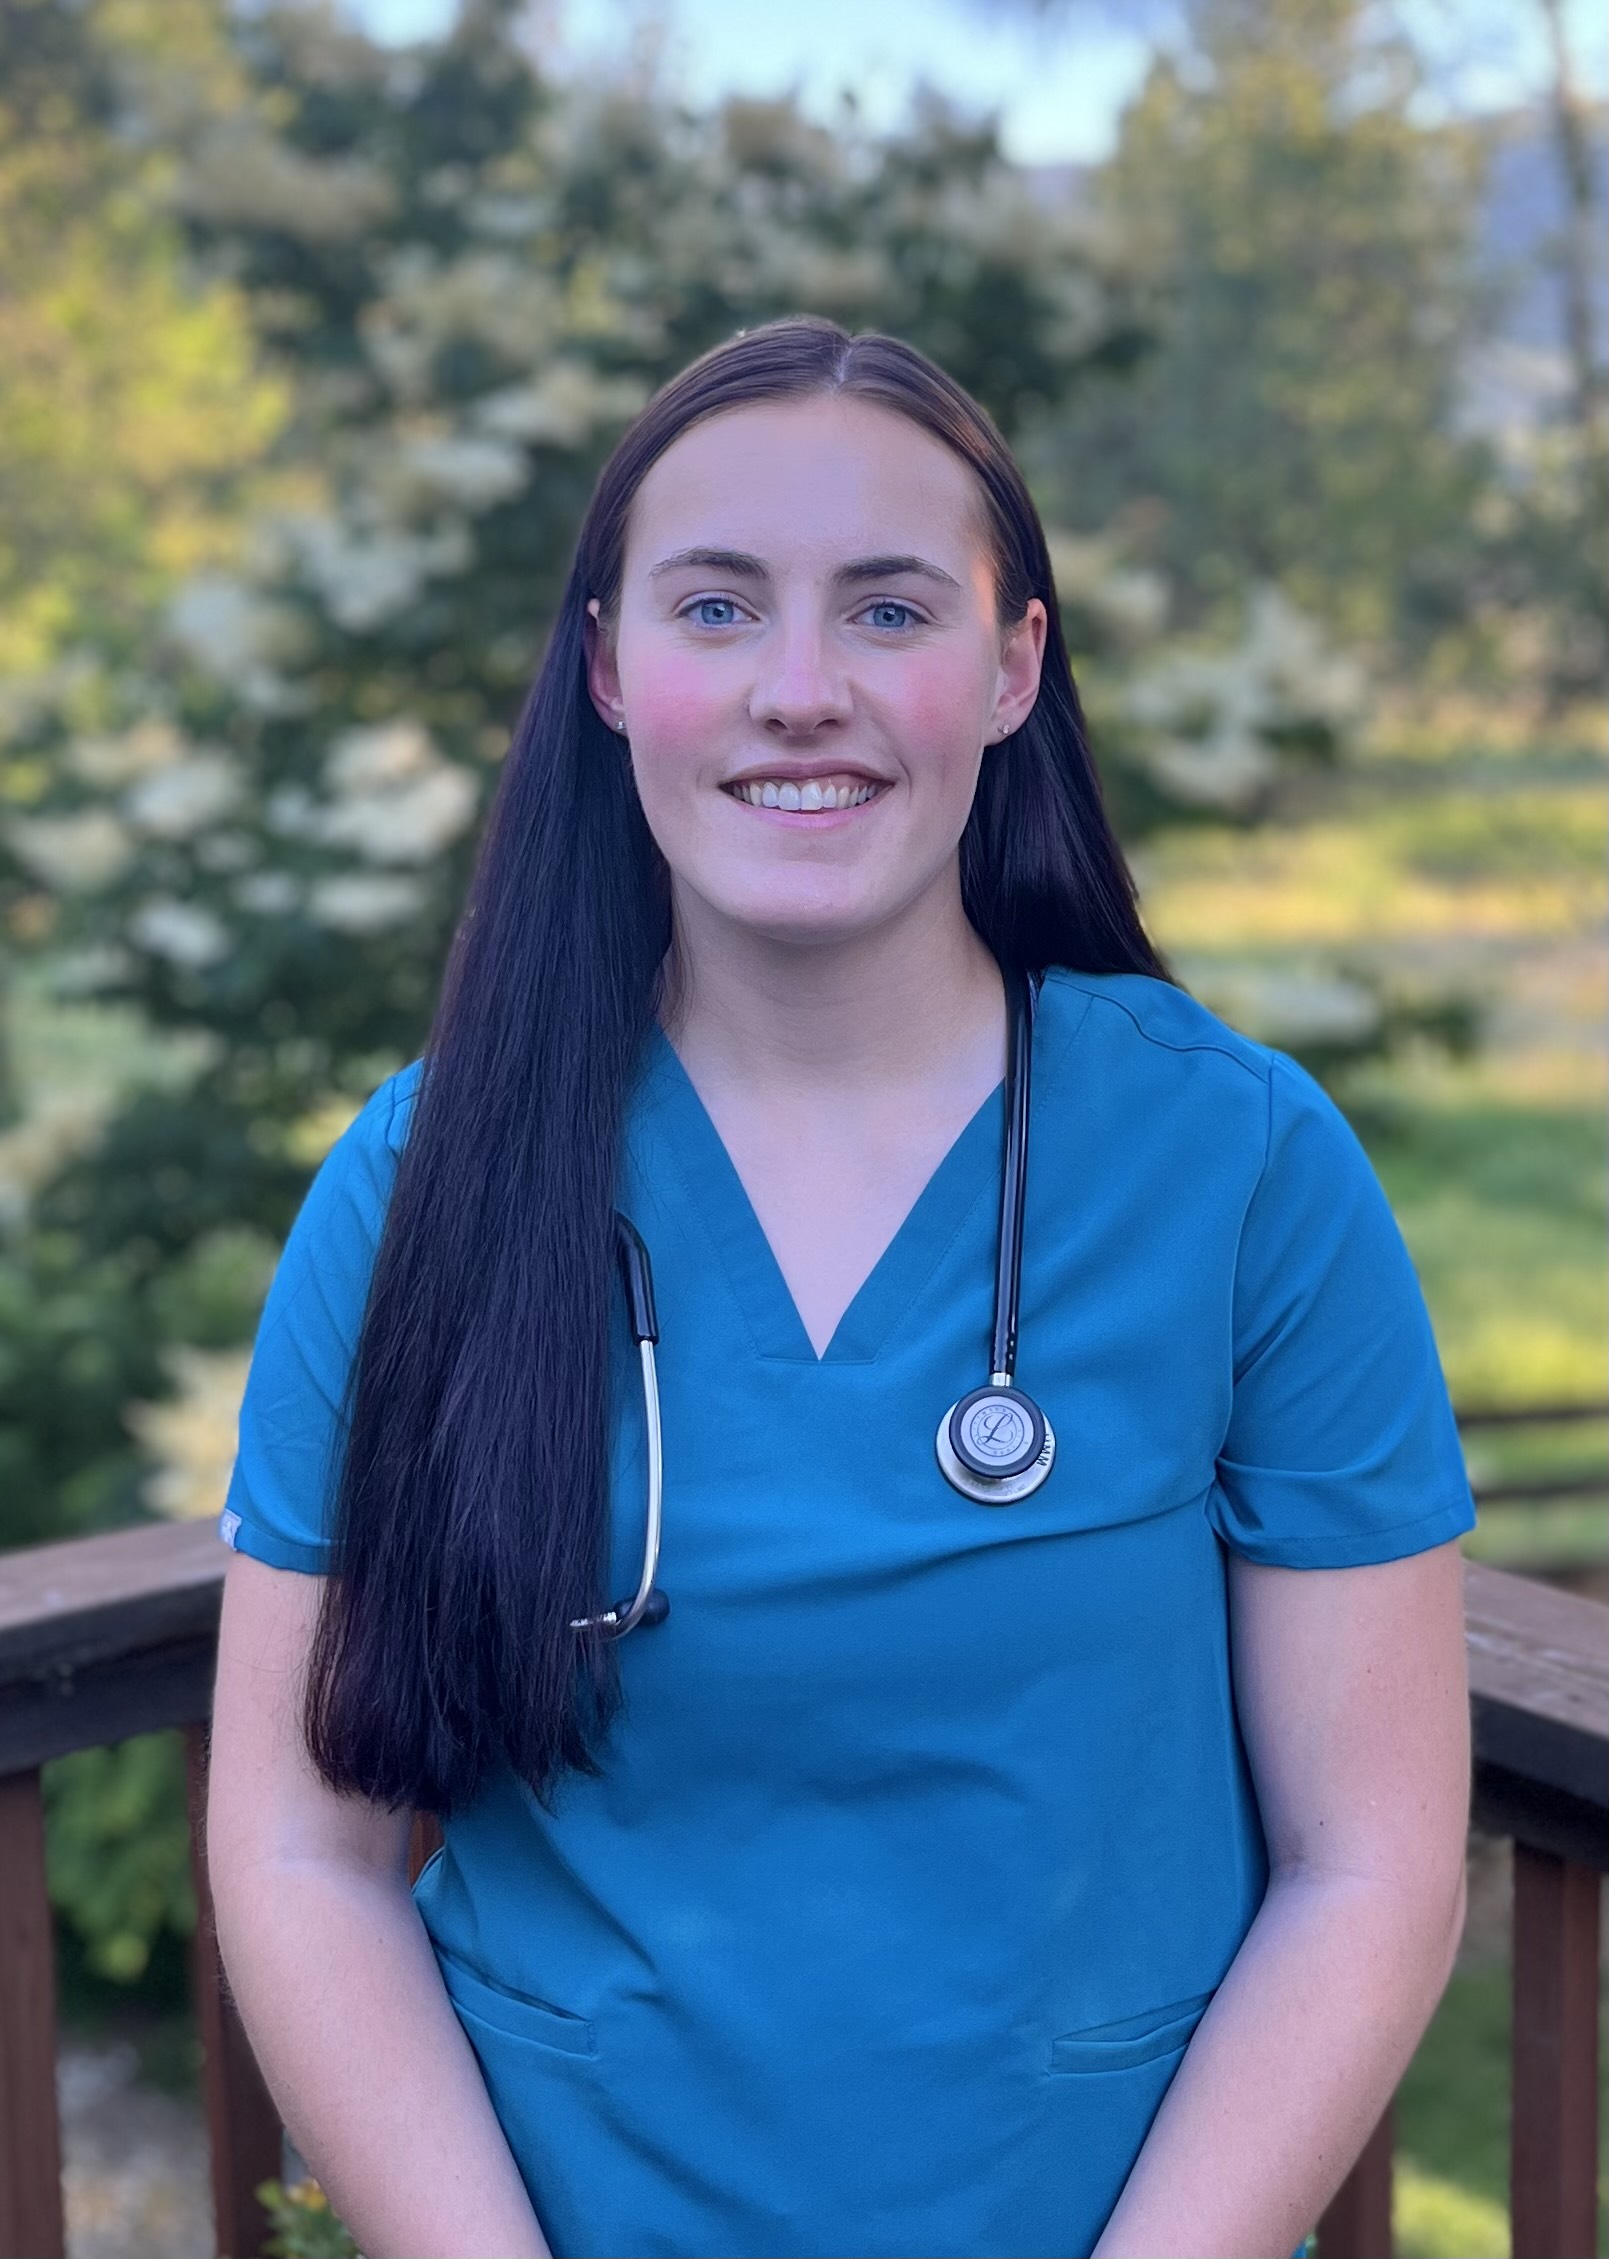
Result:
<point x="737" y="564"/>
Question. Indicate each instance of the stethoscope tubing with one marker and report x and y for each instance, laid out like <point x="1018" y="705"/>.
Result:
<point x="644" y="1322"/>
<point x="972" y="1476"/>
<point x="1013" y="1180"/>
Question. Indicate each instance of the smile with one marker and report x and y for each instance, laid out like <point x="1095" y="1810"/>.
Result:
<point x="814" y="796"/>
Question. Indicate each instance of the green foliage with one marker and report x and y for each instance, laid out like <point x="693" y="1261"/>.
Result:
<point x="117" y="1847"/>
<point x="1305" y="241"/>
<point x="1504" y="1205"/>
<point x="416" y="297"/>
<point x="304" y="2227"/>
<point x="129" y="406"/>
<point x="393" y="308"/>
<point x="211" y="1294"/>
<point x="258" y="830"/>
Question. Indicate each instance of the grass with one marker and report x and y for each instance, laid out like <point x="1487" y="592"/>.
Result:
<point x="1502" y="1205"/>
<point x="1476" y="859"/>
<point x="1475" y="863"/>
<point x="1451" y="2124"/>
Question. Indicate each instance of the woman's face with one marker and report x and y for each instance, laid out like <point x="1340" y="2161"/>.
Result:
<point x="808" y="664"/>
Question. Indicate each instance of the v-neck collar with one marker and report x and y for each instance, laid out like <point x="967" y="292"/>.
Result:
<point x="719" y="1205"/>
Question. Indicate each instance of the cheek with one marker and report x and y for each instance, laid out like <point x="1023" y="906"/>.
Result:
<point x="937" y="713"/>
<point x="671" y="698"/>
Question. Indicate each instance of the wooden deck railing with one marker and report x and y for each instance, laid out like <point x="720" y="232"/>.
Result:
<point x="1579" y="1481"/>
<point x="109" y="1636"/>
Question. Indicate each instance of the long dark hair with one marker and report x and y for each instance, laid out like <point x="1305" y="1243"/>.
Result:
<point x="471" y="1515"/>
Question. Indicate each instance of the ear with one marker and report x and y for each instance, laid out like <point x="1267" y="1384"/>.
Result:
<point x="1022" y="655"/>
<point x="603" y="676"/>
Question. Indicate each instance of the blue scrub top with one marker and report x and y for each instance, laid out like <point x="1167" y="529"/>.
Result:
<point x="926" y="1832"/>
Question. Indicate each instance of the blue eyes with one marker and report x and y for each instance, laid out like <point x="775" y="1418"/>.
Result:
<point x="729" y="605"/>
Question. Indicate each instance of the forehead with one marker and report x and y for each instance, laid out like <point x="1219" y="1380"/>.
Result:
<point x="806" y="483"/>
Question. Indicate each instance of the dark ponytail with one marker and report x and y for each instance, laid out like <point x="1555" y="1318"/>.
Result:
<point x="471" y="1514"/>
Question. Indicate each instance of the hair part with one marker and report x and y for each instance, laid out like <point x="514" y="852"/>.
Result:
<point x="471" y="1511"/>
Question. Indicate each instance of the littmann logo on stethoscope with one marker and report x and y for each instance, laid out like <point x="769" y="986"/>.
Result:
<point x="995" y="1430"/>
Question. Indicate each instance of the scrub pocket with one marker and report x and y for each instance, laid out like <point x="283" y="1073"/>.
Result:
<point x="517" y="2012"/>
<point x="1149" y="2038"/>
<point x="1132" y="2040"/>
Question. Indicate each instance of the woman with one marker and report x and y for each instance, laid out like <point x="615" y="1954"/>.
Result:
<point x="940" y="1875"/>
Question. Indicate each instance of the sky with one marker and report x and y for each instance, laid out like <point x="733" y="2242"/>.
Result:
<point x="1059" y="85"/>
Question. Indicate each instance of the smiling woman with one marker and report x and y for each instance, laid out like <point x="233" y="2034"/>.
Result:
<point x="957" y="1865"/>
<point x="844" y="682"/>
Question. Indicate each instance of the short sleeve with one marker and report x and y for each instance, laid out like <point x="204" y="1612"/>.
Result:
<point x="1341" y="1447"/>
<point x="281" y="1494"/>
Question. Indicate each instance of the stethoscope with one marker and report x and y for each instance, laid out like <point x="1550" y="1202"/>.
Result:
<point x="994" y="1445"/>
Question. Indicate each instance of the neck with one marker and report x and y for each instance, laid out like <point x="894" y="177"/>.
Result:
<point x="881" y="1007"/>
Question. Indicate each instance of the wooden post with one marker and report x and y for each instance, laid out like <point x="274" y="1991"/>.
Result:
<point x="1357" y="2220"/>
<point x="31" y="2223"/>
<point x="1554" y="2167"/>
<point x="243" y="2125"/>
<point x="424" y="1837"/>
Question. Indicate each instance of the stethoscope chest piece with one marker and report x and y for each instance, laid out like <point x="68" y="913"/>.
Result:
<point x="995" y="1446"/>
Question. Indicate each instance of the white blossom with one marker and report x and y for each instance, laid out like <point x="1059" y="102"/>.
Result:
<point x="193" y="1436"/>
<point x="395" y="799"/>
<point x="176" y="802"/>
<point x="364" y="902"/>
<point x="459" y="467"/>
<point x="561" y="407"/>
<point x="1129" y="601"/>
<point x="291" y="811"/>
<point x="364" y="576"/>
<point x="238" y="635"/>
<point x="227" y="851"/>
<point x="1229" y="770"/>
<point x="407" y="825"/>
<point x="237" y="172"/>
<point x="1215" y="718"/>
<point x="150" y="745"/>
<point x="500" y="299"/>
<point x="269" y="894"/>
<point x="374" y="755"/>
<point x="82" y="851"/>
<point x="33" y="1150"/>
<point x="185" y="933"/>
<point x="1292" y="1005"/>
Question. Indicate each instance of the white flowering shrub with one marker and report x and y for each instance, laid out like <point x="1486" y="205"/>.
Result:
<point x="252" y="818"/>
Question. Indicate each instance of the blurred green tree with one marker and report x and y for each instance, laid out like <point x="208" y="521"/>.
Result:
<point x="257" y="823"/>
<point x="249" y="813"/>
<point x="1306" y="244"/>
<point x="130" y="404"/>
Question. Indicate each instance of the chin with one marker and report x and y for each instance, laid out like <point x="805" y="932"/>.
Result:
<point x="770" y="915"/>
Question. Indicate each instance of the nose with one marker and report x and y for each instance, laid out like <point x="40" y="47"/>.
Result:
<point x="799" y="687"/>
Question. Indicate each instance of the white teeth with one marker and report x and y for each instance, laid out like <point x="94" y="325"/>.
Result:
<point x="808" y="799"/>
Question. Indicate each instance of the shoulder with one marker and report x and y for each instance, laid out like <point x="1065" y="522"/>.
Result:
<point x="393" y="1104"/>
<point x="1138" y="1009"/>
<point x="352" y="1185"/>
<point x="1156" y="1042"/>
<point x="379" y="1129"/>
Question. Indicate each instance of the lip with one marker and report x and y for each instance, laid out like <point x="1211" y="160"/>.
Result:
<point x="800" y="772"/>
